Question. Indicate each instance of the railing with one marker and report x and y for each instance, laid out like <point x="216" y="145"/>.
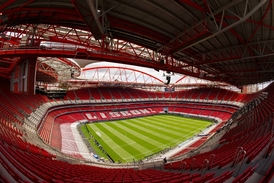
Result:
<point x="239" y="158"/>
<point x="204" y="167"/>
<point x="236" y="157"/>
<point x="183" y="166"/>
<point x="211" y="160"/>
<point x="193" y="162"/>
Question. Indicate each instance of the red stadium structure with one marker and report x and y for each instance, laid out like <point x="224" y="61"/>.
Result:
<point x="49" y="85"/>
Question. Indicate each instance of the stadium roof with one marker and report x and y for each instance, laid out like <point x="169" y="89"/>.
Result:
<point x="219" y="40"/>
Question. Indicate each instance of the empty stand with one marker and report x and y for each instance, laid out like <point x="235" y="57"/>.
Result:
<point x="26" y="162"/>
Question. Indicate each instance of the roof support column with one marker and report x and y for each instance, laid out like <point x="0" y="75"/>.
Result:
<point x="23" y="77"/>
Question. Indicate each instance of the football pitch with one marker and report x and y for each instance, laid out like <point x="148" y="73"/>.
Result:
<point x="137" y="138"/>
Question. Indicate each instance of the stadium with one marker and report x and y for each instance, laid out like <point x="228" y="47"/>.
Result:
<point x="122" y="91"/>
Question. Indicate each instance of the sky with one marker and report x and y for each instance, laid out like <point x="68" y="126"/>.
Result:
<point x="159" y="74"/>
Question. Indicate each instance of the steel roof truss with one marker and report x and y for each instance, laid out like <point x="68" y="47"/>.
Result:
<point x="240" y="20"/>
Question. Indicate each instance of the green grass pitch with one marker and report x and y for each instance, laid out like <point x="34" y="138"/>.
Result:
<point x="138" y="138"/>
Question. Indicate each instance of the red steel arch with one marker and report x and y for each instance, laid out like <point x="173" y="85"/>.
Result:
<point x="121" y="75"/>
